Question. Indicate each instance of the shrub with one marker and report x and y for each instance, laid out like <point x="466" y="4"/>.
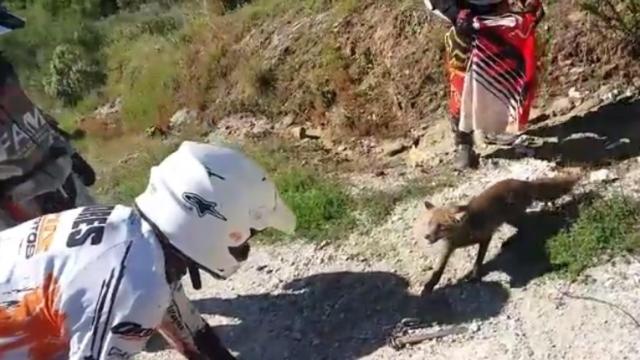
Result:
<point x="71" y="75"/>
<point x="621" y="16"/>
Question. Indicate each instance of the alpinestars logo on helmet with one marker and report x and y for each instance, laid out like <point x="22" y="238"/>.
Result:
<point x="202" y="206"/>
<point x="213" y="174"/>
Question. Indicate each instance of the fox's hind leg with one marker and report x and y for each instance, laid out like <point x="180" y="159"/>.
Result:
<point x="476" y="273"/>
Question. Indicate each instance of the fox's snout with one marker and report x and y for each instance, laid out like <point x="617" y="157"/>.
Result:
<point x="433" y="224"/>
<point x="431" y="238"/>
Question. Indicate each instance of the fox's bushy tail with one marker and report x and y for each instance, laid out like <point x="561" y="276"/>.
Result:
<point x="552" y="188"/>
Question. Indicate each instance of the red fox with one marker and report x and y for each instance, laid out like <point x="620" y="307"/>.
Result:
<point x="504" y="202"/>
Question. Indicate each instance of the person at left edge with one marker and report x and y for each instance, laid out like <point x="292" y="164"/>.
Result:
<point x="96" y="282"/>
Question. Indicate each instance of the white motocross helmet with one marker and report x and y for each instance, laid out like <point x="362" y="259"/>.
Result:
<point x="208" y="200"/>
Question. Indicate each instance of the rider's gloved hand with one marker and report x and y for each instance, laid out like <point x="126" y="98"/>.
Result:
<point x="464" y="22"/>
<point x="82" y="168"/>
<point x="210" y="346"/>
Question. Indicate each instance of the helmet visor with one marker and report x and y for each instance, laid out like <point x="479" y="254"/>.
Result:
<point x="282" y="218"/>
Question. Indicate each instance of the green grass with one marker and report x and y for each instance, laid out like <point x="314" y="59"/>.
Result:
<point x="322" y="206"/>
<point x="605" y="227"/>
<point x="123" y="181"/>
<point x="143" y="72"/>
<point x="68" y="116"/>
<point x="376" y="206"/>
<point x="325" y="208"/>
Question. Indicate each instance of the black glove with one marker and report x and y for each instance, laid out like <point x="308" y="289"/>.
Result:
<point x="464" y="23"/>
<point x="448" y="8"/>
<point x="210" y="346"/>
<point x="83" y="169"/>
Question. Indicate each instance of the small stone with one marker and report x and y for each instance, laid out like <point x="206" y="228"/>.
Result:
<point x="183" y="117"/>
<point x="576" y="16"/>
<point x="602" y="176"/>
<point x="474" y="327"/>
<point x="609" y="70"/>
<point x="393" y="148"/>
<point x="327" y="143"/>
<point x="560" y="106"/>
<point x="586" y="106"/>
<point x="417" y="157"/>
<point x="537" y="115"/>
<point x="604" y="91"/>
<point x="287" y="121"/>
<point x="575" y="94"/>
<point x="314" y="133"/>
<point x="625" y="96"/>
<point x="110" y="108"/>
<point x="243" y="126"/>
<point x="298" y="132"/>
<point x="127" y="159"/>
<point x="577" y="70"/>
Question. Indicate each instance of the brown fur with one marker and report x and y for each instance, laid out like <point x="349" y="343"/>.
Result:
<point x="504" y="202"/>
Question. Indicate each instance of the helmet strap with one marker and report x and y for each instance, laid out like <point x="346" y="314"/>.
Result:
<point x="176" y="264"/>
<point x="194" y="275"/>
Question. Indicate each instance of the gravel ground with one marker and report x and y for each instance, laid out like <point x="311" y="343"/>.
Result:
<point x="305" y="301"/>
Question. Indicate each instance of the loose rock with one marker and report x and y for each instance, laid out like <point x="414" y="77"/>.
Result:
<point x="183" y="117"/>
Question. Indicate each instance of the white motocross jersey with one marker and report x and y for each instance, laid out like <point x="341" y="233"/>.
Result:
<point x="87" y="283"/>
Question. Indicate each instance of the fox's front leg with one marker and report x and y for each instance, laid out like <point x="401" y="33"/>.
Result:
<point x="483" y="245"/>
<point x="437" y="274"/>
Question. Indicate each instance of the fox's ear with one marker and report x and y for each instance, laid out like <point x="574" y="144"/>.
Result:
<point x="428" y="205"/>
<point x="460" y="212"/>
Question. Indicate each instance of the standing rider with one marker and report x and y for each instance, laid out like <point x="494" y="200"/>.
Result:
<point x="499" y="74"/>
<point x="40" y="172"/>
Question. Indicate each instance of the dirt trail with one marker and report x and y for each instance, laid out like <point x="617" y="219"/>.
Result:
<point x="305" y="301"/>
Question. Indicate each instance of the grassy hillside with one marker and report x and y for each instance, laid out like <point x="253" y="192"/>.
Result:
<point x="355" y="68"/>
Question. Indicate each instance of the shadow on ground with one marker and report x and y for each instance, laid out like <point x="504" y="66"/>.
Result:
<point x="611" y="133"/>
<point x="348" y="315"/>
<point x="343" y="315"/>
<point x="523" y="256"/>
